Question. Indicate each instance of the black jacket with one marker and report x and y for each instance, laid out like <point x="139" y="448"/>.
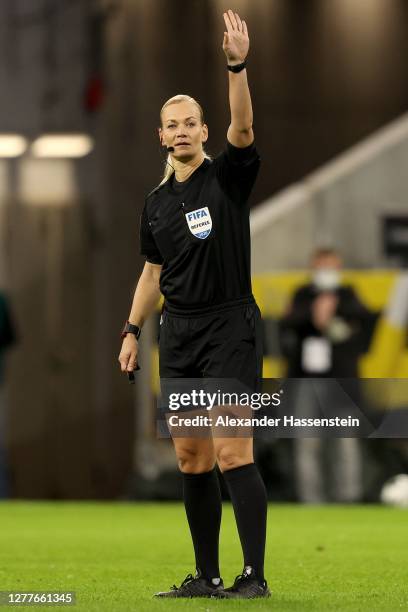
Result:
<point x="298" y="325"/>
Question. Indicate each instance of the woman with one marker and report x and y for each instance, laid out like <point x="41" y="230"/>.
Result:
<point x="195" y="236"/>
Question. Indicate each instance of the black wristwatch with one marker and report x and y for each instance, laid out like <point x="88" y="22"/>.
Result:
<point x="131" y="329"/>
<point x="237" y="67"/>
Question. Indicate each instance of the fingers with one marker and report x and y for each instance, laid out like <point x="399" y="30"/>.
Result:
<point x="131" y="365"/>
<point x="123" y="364"/>
<point x="239" y="22"/>
<point x="128" y="361"/>
<point x="233" y="20"/>
<point x="228" y="23"/>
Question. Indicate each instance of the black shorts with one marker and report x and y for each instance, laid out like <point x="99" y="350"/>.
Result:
<point x="223" y="343"/>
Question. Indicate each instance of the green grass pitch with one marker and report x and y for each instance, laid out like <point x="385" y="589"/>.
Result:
<point x="116" y="555"/>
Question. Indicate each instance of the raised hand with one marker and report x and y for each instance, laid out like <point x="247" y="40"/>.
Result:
<point x="236" y="41"/>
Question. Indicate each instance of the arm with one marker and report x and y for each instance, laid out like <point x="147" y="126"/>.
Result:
<point x="357" y="321"/>
<point x="298" y="313"/>
<point x="147" y="294"/>
<point x="235" y="46"/>
<point x="145" y="299"/>
<point x="296" y="324"/>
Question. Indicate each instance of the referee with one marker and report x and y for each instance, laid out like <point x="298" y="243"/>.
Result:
<point x="196" y="240"/>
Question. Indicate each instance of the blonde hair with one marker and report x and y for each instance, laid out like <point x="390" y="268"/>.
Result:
<point x="168" y="169"/>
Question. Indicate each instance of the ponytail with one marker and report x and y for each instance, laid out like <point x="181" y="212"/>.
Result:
<point x="168" y="170"/>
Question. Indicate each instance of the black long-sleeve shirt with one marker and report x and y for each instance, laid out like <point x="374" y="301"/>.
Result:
<point x="199" y="231"/>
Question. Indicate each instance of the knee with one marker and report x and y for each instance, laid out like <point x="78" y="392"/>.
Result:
<point x="190" y="461"/>
<point x="228" y="459"/>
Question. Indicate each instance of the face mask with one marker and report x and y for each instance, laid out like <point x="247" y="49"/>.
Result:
<point x="326" y="279"/>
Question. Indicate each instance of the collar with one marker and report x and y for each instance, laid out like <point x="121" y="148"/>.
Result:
<point x="197" y="172"/>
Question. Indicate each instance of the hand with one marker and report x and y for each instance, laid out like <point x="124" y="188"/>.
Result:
<point x="324" y="309"/>
<point x="128" y="354"/>
<point x="236" y="42"/>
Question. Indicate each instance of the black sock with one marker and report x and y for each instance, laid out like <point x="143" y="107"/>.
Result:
<point x="248" y="496"/>
<point x="202" y="500"/>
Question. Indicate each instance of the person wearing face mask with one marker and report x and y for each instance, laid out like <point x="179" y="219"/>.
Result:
<point x="323" y="335"/>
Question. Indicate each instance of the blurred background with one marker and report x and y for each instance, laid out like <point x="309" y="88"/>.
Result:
<point x="82" y="84"/>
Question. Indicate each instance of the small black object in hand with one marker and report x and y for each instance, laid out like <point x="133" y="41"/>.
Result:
<point x="131" y="375"/>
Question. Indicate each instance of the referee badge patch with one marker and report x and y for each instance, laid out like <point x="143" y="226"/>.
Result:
<point x="199" y="222"/>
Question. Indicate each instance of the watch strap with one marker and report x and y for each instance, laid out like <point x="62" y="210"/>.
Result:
<point x="131" y="329"/>
<point x="237" y="67"/>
